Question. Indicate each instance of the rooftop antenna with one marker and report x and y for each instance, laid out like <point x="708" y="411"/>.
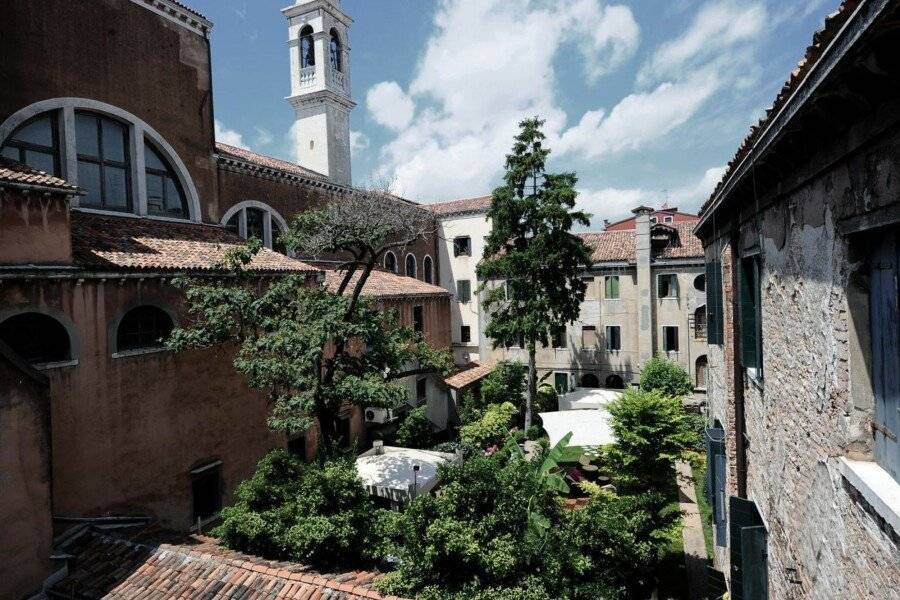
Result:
<point x="665" y="199"/>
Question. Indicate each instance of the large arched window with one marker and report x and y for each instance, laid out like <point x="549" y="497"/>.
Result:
<point x="390" y="262"/>
<point x="334" y="47"/>
<point x="165" y="197"/>
<point x="428" y="269"/>
<point x="614" y="382"/>
<point x="142" y="328"/>
<point x="589" y="380"/>
<point x="35" y="143"/>
<point x="255" y="219"/>
<point x="701" y="369"/>
<point x="307" y="48"/>
<point x="37" y="338"/>
<point x="700" y="322"/>
<point x="120" y="161"/>
<point x="411" y="266"/>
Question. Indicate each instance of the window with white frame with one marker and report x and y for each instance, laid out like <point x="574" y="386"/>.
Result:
<point x="390" y="261"/>
<point x="255" y="219"/>
<point x="121" y="162"/>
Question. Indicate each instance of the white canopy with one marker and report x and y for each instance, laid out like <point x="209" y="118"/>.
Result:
<point x="587" y="398"/>
<point x="589" y="427"/>
<point x="389" y="474"/>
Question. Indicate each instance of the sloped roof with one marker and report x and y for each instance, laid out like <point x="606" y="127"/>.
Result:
<point x="107" y="566"/>
<point x="469" y="375"/>
<point x="20" y="175"/>
<point x="127" y="243"/>
<point x="814" y="52"/>
<point x="616" y="246"/>
<point x="459" y="207"/>
<point x="382" y="284"/>
<point x="267" y="162"/>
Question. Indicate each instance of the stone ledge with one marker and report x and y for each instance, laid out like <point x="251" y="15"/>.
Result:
<point x="876" y="486"/>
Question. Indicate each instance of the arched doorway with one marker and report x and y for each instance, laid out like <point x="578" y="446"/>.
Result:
<point x="589" y="380"/>
<point x="701" y="367"/>
<point x="614" y="382"/>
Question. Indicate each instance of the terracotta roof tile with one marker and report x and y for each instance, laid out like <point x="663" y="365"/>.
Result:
<point x="469" y="375"/>
<point x="382" y="284"/>
<point x="268" y="162"/>
<point x="108" y="566"/>
<point x="458" y="207"/>
<point x="109" y="242"/>
<point x="814" y="51"/>
<point x="615" y="246"/>
<point x="21" y="175"/>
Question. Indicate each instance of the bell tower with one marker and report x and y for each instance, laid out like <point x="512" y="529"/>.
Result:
<point x="320" y="86"/>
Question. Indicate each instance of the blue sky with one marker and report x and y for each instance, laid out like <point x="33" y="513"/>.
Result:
<point x="645" y="100"/>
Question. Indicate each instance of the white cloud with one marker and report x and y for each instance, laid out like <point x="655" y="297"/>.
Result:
<point x="390" y="106"/>
<point x="358" y="141"/>
<point x="610" y="36"/>
<point x="264" y="137"/>
<point x="228" y="136"/>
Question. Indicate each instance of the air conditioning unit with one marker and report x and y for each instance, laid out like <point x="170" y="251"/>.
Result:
<point x="381" y="415"/>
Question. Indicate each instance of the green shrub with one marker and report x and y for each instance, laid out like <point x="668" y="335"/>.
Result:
<point x="666" y="377"/>
<point x="416" y="431"/>
<point x="491" y="428"/>
<point x="317" y="513"/>
<point x="547" y="399"/>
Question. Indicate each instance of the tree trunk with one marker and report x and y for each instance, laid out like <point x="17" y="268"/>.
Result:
<point x="532" y="383"/>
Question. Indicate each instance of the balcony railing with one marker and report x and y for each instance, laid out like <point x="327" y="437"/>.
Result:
<point x="307" y="76"/>
<point x="337" y="79"/>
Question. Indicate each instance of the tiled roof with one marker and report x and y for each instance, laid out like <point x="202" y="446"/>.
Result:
<point x="614" y="246"/>
<point x="21" y="175"/>
<point x="382" y="284"/>
<point x="814" y="51"/>
<point x="458" y="207"/>
<point x="107" y="566"/>
<point x="268" y="162"/>
<point x="469" y="375"/>
<point x="127" y="243"/>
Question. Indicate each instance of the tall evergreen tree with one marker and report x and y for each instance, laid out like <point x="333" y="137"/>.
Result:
<point x="531" y="249"/>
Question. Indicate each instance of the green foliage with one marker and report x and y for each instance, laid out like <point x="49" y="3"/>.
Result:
<point x="416" y="431"/>
<point x="547" y="399"/>
<point x="652" y="430"/>
<point x="531" y="249"/>
<point x="666" y="376"/>
<point x="506" y="383"/>
<point x="317" y="513"/>
<point x="491" y="428"/>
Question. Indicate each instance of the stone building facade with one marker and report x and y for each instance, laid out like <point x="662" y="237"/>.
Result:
<point x="801" y="247"/>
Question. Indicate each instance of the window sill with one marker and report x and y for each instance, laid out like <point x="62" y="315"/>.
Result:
<point x="755" y="377"/>
<point x="55" y="365"/>
<point x="204" y="522"/>
<point x="133" y="215"/>
<point x="876" y="486"/>
<point x="141" y="352"/>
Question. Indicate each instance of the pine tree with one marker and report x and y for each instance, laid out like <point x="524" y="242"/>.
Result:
<point x="531" y="250"/>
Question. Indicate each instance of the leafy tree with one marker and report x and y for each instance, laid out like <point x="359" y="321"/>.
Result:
<point x="666" y="376"/>
<point x="506" y="383"/>
<point x="547" y="399"/>
<point x="652" y="430"/>
<point x="416" y="431"/>
<point x="531" y="249"/>
<point x="301" y="343"/>
<point x="491" y="428"/>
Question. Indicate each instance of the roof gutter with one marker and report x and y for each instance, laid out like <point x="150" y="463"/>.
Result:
<point x="855" y="26"/>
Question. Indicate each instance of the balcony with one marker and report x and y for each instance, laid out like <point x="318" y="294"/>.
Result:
<point x="308" y="76"/>
<point x="337" y="79"/>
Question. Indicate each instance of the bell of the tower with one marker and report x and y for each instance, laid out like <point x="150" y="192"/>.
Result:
<point x="320" y="86"/>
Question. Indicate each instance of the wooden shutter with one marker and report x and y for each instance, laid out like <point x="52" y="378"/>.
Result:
<point x="714" y="310"/>
<point x="715" y="481"/>
<point x="885" y="328"/>
<point x="749" y="571"/>
<point x="749" y="312"/>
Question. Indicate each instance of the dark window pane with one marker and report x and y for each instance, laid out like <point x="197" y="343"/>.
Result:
<point x="86" y="135"/>
<point x="427" y="266"/>
<point x="418" y="318"/>
<point x="234" y="222"/>
<point x="153" y="159"/>
<point x="89" y="180"/>
<point x="41" y="161"/>
<point x="116" y="190"/>
<point x="143" y="327"/>
<point x="38" y="132"/>
<point x="255" y="223"/>
<point x="465" y="334"/>
<point x="206" y="487"/>
<point x="390" y="262"/>
<point x="10" y="152"/>
<point x="113" y="141"/>
<point x="155" y="197"/>
<point x="174" y="199"/>
<point x="36" y="338"/>
<point x="421" y="389"/>
<point x="410" y="265"/>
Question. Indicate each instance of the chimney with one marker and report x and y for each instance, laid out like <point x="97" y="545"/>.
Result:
<point x="644" y="283"/>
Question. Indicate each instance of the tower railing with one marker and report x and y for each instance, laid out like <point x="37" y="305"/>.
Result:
<point x="337" y="79"/>
<point x="308" y="76"/>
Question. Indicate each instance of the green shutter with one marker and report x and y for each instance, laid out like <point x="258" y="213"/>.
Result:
<point x="714" y="310"/>
<point x="749" y="571"/>
<point x="749" y="311"/>
<point x="612" y="287"/>
<point x="715" y="482"/>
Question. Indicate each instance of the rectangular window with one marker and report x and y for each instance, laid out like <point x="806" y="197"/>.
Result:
<point x="561" y="381"/>
<point x="558" y="336"/>
<point x="668" y="220"/>
<point x="751" y="325"/>
<point x="714" y="312"/>
<point x="465" y="334"/>
<point x="670" y="339"/>
<point x="418" y="319"/>
<point x="667" y="286"/>
<point x="613" y="338"/>
<point x="297" y="446"/>
<point x="462" y="246"/>
<point x="588" y="336"/>
<point x="421" y="389"/>
<point x="103" y="163"/>
<point x="206" y="486"/>
<point x="463" y="290"/>
<point x="612" y="287"/>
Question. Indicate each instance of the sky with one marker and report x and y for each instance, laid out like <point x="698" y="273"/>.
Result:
<point x="646" y="101"/>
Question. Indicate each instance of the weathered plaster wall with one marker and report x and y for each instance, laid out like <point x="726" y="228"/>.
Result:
<point x="34" y="229"/>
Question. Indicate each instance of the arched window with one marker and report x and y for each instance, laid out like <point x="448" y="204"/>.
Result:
<point x="142" y="328"/>
<point x="700" y="283"/>
<point x="410" y="266"/>
<point x="701" y="368"/>
<point x="589" y="380"/>
<point x="334" y="47"/>
<point x="700" y="322"/>
<point x="164" y="194"/>
<point x="428" y="269"/>
<point x="37" y="338"/>
<point x="35" y="143"/>
<point x="390" y="262"/>
<point x="307" y="48"/>
<point x="255" y="219"/>
<point x="104" y="167"/>
<point x="614" y="382"/>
